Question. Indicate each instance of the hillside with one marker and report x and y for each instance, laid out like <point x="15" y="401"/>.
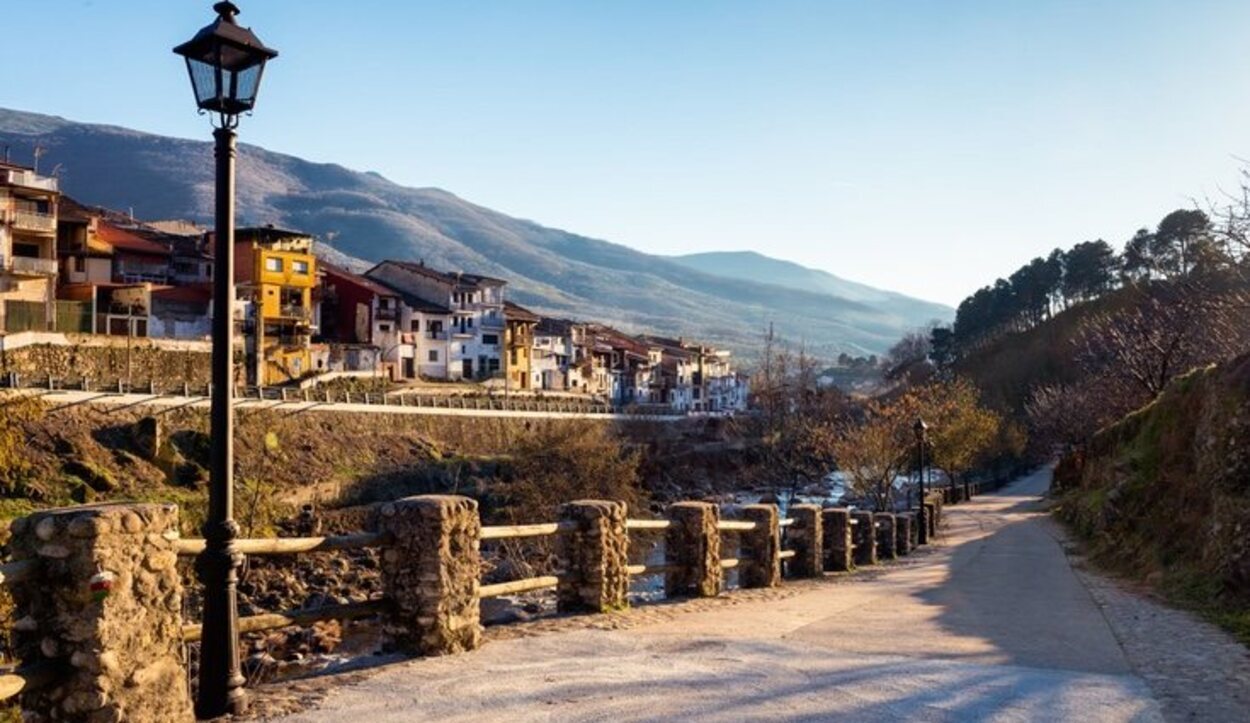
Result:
<point x="366" y="216"/>
<point x="1164" y="495"/>
<point x="1008" y="368"/>
<point x="756" y="267"/>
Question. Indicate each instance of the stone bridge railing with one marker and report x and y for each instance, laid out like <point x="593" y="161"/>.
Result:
<point x="98" y="626"/>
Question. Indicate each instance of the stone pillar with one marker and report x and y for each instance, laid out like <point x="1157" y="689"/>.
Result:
<point x="806" y="538"/>
<point x="902" y="533"/>
<point x="431" y="572"/>
<point x="595" y="557"/>
<point x="761" y="547"/>
<point x="107" y="605"/>
<point x="865" y="538"/>
<point x="692" y="544"/>
<point x="883" y="522"/>
<point x="839" y="543"/>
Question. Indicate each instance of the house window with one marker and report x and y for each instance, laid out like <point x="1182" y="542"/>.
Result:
<point x="493" y="365"/>
<point x="415" y="325"/>
<point x="490" y="338"/>
<point x="514" y="357"/>
<point x="434" y="355"/>
<point x="384" y="328"/>
<point x="273" y="264"/>
<point x="300" y="267"/>
<point x="469" y="322"/>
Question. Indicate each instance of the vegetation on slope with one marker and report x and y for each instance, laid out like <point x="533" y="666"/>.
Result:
<point x="1164" y="495"/>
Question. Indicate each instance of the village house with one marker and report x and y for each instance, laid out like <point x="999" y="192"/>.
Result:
<point x="716" y="387"/>
<point x="519" y="345"/>
<point x="409" y="333"/>
<point x="551" y="361"/>
<point x="673" y="373"/>
<point x="28" y="262"/>
<point x="476" y="305"/>
<point x="276" y="273"/>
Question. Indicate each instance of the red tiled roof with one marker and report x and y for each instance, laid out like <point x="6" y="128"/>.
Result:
<point x="122" y="239"/>
<point x="361" y="281"/>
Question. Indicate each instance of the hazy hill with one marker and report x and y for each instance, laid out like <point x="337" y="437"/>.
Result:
<point x="752" y="266"/>
<point x="367" y="216"/>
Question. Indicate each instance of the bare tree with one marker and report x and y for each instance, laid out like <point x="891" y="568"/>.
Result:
<point x="1169" y="329"/>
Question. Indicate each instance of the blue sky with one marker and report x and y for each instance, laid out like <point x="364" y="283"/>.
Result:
<point x="924" y="146"/>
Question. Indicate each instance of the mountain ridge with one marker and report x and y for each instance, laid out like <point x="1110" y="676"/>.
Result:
<point x="364" y="215"/>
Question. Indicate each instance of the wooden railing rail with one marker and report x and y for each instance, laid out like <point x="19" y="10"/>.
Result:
<point x="507" y="532"/>
<point x="652" y="569"/>
<point x="290" y="545"/>
<point x="514" y="587"/>
<point x="648" y="524"/>
<point x="735" y="526"/>
<point x="273" y="621"/>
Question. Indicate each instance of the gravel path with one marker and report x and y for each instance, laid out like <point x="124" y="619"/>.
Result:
<point x="994" y="622"/>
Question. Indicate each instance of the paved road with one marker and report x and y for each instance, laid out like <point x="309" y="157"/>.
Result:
<point x="991" y="623"/>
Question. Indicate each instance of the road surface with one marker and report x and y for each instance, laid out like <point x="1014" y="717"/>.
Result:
<point x="990" y="623"/>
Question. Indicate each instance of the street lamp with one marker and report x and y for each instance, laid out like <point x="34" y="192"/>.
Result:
<point x="225" y="62"/>
<point x="921" y="429"/>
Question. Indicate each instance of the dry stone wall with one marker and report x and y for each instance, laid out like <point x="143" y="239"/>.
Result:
<point x="839" y="542"/>
<point x="106" y="605"/>
<point x="141" y="361"/>
<point x="693" y="546"/>
<point x="806" y="537"/>
<point x="595" y="557"/>
<point x="761" y="547"/>
<point x="430" y="572"/>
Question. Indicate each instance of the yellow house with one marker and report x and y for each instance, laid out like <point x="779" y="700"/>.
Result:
<point x="518" y="339"/>
<point x="276" y="271"/>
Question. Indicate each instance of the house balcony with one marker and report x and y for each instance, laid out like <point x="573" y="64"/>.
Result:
<point x="28" y="266"/>
<point x="34" y="222"/>
<point x="388" y="314"/>
<point x="32" y="180"/>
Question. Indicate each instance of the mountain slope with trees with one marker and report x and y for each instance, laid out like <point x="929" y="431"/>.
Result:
<point x="368" y="217"/>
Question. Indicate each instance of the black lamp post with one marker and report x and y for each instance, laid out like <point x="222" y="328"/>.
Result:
<point x="921" y="429"/>
<point x="225" y="62"/>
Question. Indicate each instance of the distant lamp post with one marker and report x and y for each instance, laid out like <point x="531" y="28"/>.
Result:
<point x="225" y="62"/>
<point x="921" y="429"/>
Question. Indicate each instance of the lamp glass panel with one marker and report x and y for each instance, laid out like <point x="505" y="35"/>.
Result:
<point x="206" y="81"/>
<point x="247" y="82"/>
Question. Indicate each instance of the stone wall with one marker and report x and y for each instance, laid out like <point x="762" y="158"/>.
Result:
<point x="903" y="533"/>
<point x="595" y="557"/>
<point x="883" y="522"/>
<point x="107" y="603"/>
<point x="431" y="571"/>
<point x="839" y="542"/>
<point x="806" y="538"/>
<point x="693" y="545"/>
<point x="141" y="361"/>
<point x="865" y="538"/>
<point x="761" y="547"/>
